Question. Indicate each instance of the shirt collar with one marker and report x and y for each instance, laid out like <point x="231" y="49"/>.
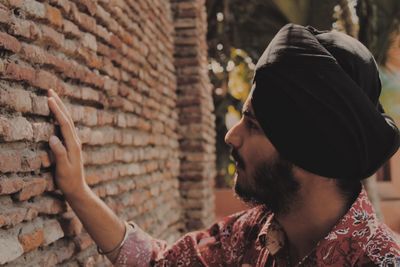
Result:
<point x="359" y="223"/>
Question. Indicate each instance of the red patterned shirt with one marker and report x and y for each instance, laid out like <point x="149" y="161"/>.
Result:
<point x="254" y="238"/>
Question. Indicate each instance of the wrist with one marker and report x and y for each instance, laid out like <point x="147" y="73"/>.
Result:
<point x="78" y="194"/>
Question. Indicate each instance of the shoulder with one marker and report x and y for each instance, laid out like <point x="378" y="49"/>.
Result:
<point x="383" y="247"/>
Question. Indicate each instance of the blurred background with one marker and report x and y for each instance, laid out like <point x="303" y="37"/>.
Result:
<point x="239" y="32"/>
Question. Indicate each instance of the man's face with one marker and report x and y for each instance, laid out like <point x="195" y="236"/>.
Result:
<point x="262" y="176"/>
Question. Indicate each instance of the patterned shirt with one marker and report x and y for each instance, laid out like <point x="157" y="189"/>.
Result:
<point x="254" y="238"/>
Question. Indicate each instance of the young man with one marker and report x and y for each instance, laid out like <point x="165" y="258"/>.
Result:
<point x="312" y="128"/>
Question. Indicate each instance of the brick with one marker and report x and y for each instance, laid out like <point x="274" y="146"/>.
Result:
<point x="46" y="80"/>
<point x="5" y="15"/>
<point x="89" y="41"/>
<point x="9" y="42"/>
<point x="49" y="205"/>
<point x="18" y="72"/>
<point x="42" y="131"/>
<point x="31" y="7"/>
<point x="14" y="129"/>
<point x="10" y="248"/>
<point x="90" y="6"/>
<point x="86" y="22"/>
<point x="71" y="30"/>
<point x="14" y="98"/>
<point x="44" y="159"/>
<point x="40" y="106"/>
<point x="24" y="28"/>
<point x="10" y="185"/>
<point x="30" y="241"/>
<point x="31" y="161"/>
<point x="52" y="231"/>
<point x="51" y="37"/>
<point x="53" y="15"/>
<point x="90" y="57"/>
<point x="113" y="64"/>
<point x="10" y="161"/>
<point x="31" y="187"/>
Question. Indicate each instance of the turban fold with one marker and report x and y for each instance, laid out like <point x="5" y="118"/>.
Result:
<point x="315" y="95"/>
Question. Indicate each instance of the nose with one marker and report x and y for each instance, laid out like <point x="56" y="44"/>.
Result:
<point x="233" y="137"/>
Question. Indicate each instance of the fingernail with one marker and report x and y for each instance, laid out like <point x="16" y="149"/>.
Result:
<point x="54" y="140"/>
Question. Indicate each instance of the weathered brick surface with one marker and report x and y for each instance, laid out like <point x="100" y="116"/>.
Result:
<point x="196" y="119"/>
<point x="148" y="150"/>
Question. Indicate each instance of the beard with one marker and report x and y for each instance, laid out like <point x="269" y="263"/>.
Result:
<point x="272" y="184"/>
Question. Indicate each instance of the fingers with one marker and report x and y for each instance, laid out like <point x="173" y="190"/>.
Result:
<point x="63" y="108"/>
<point x="59" y="150"/>
<point x="67" y="129"/>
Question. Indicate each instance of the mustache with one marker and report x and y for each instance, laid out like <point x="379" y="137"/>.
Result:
<point x="235" y="155"/>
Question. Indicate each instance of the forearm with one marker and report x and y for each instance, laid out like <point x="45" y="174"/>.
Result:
<point x="99" y="220"/>
<point x="102" y="224"/>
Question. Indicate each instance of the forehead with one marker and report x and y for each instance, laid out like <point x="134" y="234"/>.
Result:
<point x="247" y="106"/>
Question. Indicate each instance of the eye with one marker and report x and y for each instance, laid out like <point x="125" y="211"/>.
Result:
<point x="251" y="125"/>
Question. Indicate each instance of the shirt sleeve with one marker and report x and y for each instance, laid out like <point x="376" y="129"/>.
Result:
<point x="221" y="244"/>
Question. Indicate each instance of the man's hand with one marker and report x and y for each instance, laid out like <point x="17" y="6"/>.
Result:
<point x="99" y="220"/>
<point x="69" y="164"/>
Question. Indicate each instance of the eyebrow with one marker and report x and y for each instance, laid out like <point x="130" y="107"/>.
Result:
<point x="246" y="112"/>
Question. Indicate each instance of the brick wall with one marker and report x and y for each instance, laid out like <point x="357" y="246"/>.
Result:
<point x="196" y="118"/>
<point x="134" y="76"/>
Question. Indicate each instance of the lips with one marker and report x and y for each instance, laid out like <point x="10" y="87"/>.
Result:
<point x="238" y="161"/>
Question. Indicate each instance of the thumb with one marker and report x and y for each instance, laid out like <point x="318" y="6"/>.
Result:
<point x="58" y="149"/>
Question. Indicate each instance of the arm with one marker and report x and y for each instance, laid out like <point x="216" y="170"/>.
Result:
<point x="100" y="221"/>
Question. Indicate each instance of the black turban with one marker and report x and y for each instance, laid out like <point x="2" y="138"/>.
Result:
<point x="315" y="95"/>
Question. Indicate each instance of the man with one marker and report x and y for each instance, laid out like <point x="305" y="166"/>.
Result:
<point x="312" y="128"/>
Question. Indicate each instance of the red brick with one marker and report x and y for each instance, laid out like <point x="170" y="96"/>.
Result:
<point x="52" y="231"/>
<point x="70" y="29"/>
<point x="10" y="161"/>
<point x="31" y="7"/>
<point x="14" y="71"/>
<point x="40" y="106"/>
<point x="32" y="240"/>
<point x="49" y="205"/>
<point x="115" y="41"/>
<point x="9" y="42"/>
<point x="104" y="117"/>
<point x="31" y="187"/>
<point x="31" y="161"/>
<point x="16" y="99"/>
<point x="44" y="159"/>
<point x="51" y="37"/>
<point x="90" y="57"/>
<point x="89" y="5"/>
<point x="53" y="15"/>
<point x="46" y="80"/>
<point x="42" y="131"/>
<point x="24" y="28"/>
<point x="89" y="41"/>
<point x="15" y="129"/>
<point x="90" y="116"/>
<point x="11" y="249"/>
<point x="5" y="15"/>
<point x="86" y="22"/>
<point x="10" y="185"/>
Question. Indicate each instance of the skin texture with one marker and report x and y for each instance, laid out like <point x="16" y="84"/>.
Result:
<point x="267" y="178"/>
<point x="306" y="205"/>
